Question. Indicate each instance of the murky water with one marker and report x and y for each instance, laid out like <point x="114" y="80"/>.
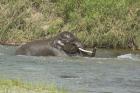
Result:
<point x="109" y="72"/>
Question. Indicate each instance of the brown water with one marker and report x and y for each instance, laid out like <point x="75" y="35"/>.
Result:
<point x="111" y="71"/>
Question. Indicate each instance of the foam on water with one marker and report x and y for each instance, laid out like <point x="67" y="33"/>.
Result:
<point x="129" y="56"/>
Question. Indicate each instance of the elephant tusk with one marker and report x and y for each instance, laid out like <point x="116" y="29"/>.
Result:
<point x="83" y="50"/>
<point x="60" y="42"/>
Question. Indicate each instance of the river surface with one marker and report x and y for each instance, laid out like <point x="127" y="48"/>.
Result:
<point x="111" y="71"/>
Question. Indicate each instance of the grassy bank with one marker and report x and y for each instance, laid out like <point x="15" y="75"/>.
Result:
<point x="109" y="23"/>
<point x="14" y="86"/>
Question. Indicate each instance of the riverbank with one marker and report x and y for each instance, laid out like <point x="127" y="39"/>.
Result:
<point x="15" y="86"/>
<point x="109" y="24"/>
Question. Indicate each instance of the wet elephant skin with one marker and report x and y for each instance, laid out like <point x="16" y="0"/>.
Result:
<point x="63" y="44"/>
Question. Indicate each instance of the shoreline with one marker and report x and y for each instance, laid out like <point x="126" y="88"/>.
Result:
<point x="123" y="49"/>
<point x="16" y="86"/>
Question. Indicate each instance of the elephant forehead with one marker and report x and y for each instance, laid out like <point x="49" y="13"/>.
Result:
<point x="70" y="35"/>
<point x="66" y="35"/>
<point x="68" y="38"/>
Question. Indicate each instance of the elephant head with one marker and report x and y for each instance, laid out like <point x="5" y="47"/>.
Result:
<point x="71" y="45"/>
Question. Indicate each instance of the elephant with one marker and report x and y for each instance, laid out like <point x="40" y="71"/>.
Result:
<point x="63" y="44"/>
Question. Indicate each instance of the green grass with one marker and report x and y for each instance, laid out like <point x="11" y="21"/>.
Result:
<point x="109" y="23"/>
<point x="14" y="86"/>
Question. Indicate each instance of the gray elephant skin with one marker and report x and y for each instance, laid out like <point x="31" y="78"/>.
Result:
<point x="64" y="44"/>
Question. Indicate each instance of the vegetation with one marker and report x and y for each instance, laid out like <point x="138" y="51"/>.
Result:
<point x="108" y="23"/>
<point x="14" y="86"/>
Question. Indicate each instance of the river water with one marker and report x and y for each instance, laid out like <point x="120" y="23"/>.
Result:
<point x="111" y="71"/>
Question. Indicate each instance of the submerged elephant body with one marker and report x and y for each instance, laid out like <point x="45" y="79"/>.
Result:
<point x="64" y="44"/>
<point x="38" y="48"/>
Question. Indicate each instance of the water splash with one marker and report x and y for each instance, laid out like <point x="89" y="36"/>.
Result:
<point x="129" y="56"/>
